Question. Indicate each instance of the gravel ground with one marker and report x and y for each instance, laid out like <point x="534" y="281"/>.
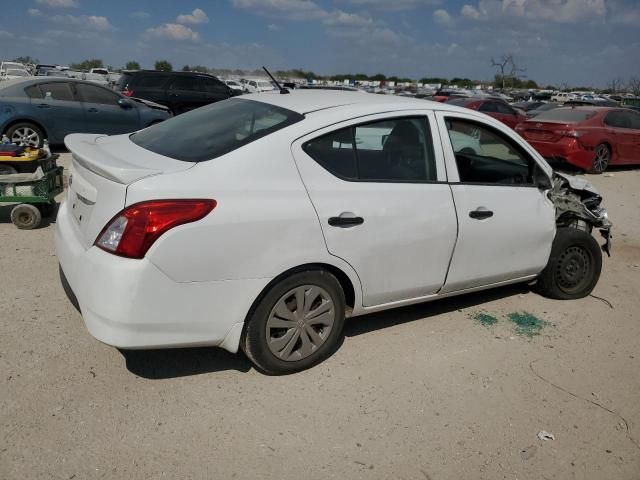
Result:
<point x="433" y="391"/>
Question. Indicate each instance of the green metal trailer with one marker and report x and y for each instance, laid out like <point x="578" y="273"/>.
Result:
<point x="33" y="193"/>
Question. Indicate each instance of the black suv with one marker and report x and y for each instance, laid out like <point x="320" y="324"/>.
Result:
<point x="180" y="91"/>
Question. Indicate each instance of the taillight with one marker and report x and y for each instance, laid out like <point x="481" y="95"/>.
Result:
<point x="132" y="231"/>
<point x="568" y="133"/>
<point x="127" y="92"/>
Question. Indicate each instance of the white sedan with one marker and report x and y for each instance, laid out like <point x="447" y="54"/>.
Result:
<point x="263" y="221"/>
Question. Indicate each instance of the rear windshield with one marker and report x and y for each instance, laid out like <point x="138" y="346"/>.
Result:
<point x="214" y="130"/>
<point x="568" y="115"/>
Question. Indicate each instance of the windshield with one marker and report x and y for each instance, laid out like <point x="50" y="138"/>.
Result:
<point x="567" y="115"/>
<point x="230" y="82"/>
<point x="214" y="130"/>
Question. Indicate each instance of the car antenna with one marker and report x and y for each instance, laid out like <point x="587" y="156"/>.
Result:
<point x="280" y="87"/>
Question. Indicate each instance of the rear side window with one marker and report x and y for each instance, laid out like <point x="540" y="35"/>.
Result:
<point x="214" y="130"/>
<point x="57" y="91"/>
<point x="568" y="115"/>
<point x="33" y="91"/>
<point x="394" y="150"/>
<point x="488" y="107"/>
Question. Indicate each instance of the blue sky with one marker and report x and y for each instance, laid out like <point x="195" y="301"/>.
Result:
<point x="574" y="41"/>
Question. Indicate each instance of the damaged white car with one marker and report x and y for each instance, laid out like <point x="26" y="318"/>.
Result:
<point x="263" y="221"/>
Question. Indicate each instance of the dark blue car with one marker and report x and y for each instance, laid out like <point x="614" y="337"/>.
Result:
<point x="44" y="107"/>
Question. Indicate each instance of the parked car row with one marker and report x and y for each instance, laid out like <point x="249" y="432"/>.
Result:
<point x="48" y="107"/>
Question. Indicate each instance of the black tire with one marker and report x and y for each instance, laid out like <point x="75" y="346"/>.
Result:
<point x="6" y="169"/>
<point x="26" y="216"/>
<point x="574" y="266"/>
<point x="601" y="159"/>
<point x="26" y="125"/>
<point x="254" y="342"/>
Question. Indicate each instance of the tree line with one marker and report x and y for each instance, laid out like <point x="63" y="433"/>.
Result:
<point x="508" y="75"/>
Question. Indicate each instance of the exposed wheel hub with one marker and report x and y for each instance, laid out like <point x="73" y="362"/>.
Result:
<point x="573" y="268"/>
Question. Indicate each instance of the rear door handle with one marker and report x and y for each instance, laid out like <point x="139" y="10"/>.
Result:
<point x="481" y="213"/>
<point x="44" y="105"/>
<point x="344" y="222"/>
<point x="92" y="110"/>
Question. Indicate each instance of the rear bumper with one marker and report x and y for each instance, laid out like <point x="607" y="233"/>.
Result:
<point x="133" y="304"/>
<point x="567" y="149"/>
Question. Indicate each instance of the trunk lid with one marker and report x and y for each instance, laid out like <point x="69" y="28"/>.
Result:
<point x="543" y="131"/>
<point x="102" y="168"/>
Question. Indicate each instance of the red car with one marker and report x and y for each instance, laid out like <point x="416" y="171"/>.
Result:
<point x="496" y="108"/>
<point x="591" y="138"/>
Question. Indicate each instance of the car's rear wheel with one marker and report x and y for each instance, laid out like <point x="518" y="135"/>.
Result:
<point x="25" y="134"/>
<point x="296" y="324"/>
<point x="601" y="159"/>
<point x="574" y="266"/>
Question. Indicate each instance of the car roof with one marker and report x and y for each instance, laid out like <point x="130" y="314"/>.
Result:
<point x="307" y="101"/>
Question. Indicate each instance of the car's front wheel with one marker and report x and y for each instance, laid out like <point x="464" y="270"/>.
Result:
<point x="574" y="266"/>
<point x="296" y="324"/>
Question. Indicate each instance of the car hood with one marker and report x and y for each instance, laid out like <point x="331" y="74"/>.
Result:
<point x="576" y="183"/>
<point x="149" y="103"/>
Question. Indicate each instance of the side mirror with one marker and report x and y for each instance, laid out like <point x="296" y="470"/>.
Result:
<point x="124" y="103"/>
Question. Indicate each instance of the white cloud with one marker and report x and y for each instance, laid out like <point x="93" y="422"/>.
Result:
<point x="291" y="9"/>
<point x="198" y="16"/>
<point x="88" y="22"/>
<point x="140" y="15"/>
<point x="58" y="3"/>
<point x="470" y="11"/>
<point x="5" y="34"/>
<point x="393" y="4"/>
<point x="272" y="27"/>
<point x="442" y="17"/>
<point x="34" y="12"/>
<point x="341" y="18"/>
<point x="561" y="11"/>
<point x="174" y="31"/>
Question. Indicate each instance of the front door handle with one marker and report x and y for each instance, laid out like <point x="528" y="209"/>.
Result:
<point x="92" y="110"/>
<point x="480" y="214"/>
<point x="44" y="105"/>
<point x="345" y="222"/>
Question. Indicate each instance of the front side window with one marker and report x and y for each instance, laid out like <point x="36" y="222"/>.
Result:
<point x="93" y="94"/>
<point x="486" y="156"/>
<point x="214" y="130"/>
<point x="57" y="91"/>
<point x="211" y="85"/>
<point x="502" y="108"/>
<point x="394" y="150"/>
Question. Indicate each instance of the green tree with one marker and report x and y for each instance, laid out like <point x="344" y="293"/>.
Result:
<point x="87" y="64"/>
<point x="163" y="66"/>
<point x="132" y="65"/>
<point x="186" y="68"/>
<point x="26" y="60"/>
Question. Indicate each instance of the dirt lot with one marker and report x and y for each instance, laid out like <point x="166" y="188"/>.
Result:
<point x="434" y="391"/>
